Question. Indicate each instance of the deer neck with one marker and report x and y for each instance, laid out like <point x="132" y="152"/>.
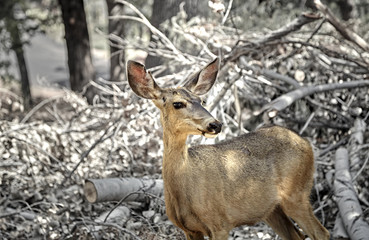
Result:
<point x="175" y="152"/>
<point x="175" y="148"/>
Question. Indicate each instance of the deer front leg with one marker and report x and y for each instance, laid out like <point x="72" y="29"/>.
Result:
<point x="219" y="235"/>
<point x="194" y="236"/>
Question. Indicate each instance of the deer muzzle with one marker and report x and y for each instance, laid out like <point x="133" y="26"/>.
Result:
<point x="215" y="127"/>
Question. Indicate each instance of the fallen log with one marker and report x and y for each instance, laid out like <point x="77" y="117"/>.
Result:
<point x="122" y="189"/>
<point x="356" y="139"/>
<point x="339" y="230"/>
<point x="346" y="198"/>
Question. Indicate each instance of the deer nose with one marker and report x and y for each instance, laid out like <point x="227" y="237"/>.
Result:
<point x="215" y="127"/>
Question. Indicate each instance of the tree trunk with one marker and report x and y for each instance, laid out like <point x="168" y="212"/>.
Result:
<point x="161" y="11"/>
<point x="17" y="47"/>
<point x="81" y="70"/>
<point x="26" y="92"/>
<point x="116" y="29"/>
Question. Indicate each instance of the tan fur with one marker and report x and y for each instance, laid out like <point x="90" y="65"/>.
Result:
<point x="266" y="175"/>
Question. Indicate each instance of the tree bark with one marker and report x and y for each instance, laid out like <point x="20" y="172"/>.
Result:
<point x="116" y="29"/>
<point x="81" y="70"/>
<point x="161" y="11"/>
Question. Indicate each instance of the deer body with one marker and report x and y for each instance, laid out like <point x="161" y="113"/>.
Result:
<point x="266" y="175"/>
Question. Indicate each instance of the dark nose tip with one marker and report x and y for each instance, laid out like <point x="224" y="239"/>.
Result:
<point x="215" y="127"/>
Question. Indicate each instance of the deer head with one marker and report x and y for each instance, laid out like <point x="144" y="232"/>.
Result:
<point x="182" y="109"/>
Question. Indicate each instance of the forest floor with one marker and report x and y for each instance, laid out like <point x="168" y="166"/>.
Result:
<point x="47" y="153"/>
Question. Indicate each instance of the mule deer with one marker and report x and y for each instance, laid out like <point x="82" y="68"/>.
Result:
<point x="266" y="175"/>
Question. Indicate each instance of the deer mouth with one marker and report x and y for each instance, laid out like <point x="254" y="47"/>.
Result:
<point x="208" y="134"/>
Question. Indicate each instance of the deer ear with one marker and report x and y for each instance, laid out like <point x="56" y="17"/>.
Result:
<point x="203" y="80"/>
<point x="141" y="81"/>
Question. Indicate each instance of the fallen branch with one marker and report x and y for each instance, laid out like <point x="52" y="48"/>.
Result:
<point x="142" y="19"/>
<point x="269" y="73"/>
<point x="287" y="99"/>
<point x="348" y="204"/>
<point x="345" y="32"/>
<point x="28" y="215"/>
<point x="116" y="189"/>
<point x="293" y="26"/>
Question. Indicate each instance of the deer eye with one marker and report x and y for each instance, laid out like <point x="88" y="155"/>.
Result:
<point x="178" y="105"/>
<point x="203" y="102"/>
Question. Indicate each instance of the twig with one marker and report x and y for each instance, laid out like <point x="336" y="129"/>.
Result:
<point x="223" y="91"/>
<point x="334" y="146"/>
<point x="307" y="122"/>
<point x="6" y="91"/>
<point x="269" y="73"/>
<point x="229" y="7"/>
<point x="361" y="169"/>
<point x="293" y="26"/>
<point x="319" y="201"/>
<point x="330" y="109"/>
<point x="332" y="125"/>
<point x="316" y="30"/>
<point x="19" y="127"/>
<point x="153" y="29"/>
<point x="87" y="152"/>
<point x="362" y="64"/>
<point x="37" y="107"/>
<point x="133" y="235"/>
<point x="28" y="206"/>
<point x="119" y="203"/>
<point x="42" y="151"/>
<point x="106" y="90"/>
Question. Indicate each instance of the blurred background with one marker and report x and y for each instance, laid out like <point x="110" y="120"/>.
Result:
<point x="42" y="40"/>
